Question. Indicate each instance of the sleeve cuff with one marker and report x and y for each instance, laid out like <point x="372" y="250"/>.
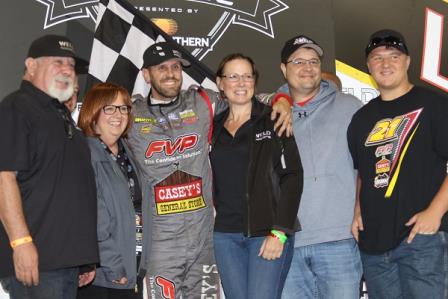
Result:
<point x="282" y="95"/>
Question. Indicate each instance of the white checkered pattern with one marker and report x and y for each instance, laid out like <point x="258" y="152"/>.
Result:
<point x="122" y="34"/>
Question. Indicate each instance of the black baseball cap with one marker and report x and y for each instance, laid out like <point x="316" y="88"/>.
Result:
<point x="161" y="52"/>
<point x="297" y="42"/>
<point x="58" y="46"/>
<point x="388" y="38"/>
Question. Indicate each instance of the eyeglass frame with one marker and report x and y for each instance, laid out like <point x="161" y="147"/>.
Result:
<point x="119" y="109"/>
<point x="237" y="77"/>
<point x="300" y="62"/>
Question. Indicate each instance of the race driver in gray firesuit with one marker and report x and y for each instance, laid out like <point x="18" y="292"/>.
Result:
<point x="170" y="141"/>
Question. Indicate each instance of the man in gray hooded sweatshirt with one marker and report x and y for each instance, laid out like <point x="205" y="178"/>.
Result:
<point x="326" y="261"/>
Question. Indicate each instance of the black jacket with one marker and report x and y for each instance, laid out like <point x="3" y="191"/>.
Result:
<point x="275" y="176"/>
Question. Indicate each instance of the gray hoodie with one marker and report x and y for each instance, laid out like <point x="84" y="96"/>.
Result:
<point x="328" y="198"/>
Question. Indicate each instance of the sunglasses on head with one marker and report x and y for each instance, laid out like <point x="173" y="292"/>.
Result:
<point x="390" y="41"/>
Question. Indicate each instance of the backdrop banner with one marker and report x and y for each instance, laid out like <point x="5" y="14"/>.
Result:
<point x="207" y="30"/>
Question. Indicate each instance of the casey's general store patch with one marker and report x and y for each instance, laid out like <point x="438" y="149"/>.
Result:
<point x="174" y="199"/>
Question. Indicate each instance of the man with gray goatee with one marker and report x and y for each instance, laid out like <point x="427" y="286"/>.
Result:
<point x="47" y="186"/>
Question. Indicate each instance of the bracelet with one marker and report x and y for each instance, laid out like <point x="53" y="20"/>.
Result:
<point x="281" y="237"/>
<point x="281" y="95"/>
<point x="20" y="241"/>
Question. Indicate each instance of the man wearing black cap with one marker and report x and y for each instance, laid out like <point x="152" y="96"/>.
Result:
<point x="326" y="262"/>
<point x="399" y="145"/>
<point x="47" y="186"/>
<point x="170" y="140"/>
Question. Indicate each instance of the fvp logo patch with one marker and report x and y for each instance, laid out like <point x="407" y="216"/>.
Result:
<point x="166" y="286"/>
<point x="169" y="148"/>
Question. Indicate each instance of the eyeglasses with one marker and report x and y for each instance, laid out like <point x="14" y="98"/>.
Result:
<point x="302" y="62"/>
<point x="390" y="41"/>
<point x="237" y="77"/>
<point x="110" y="109"/>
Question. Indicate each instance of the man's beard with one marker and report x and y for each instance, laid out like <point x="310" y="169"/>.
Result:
<point x="62" y="95"/>
<point x="166" y="93"/>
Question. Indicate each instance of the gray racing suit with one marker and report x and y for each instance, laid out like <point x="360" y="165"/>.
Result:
<point x="171" y="145"/>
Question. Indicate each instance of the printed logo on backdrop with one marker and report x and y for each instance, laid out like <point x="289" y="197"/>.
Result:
<point x="254" y="14"/>
<point x="177" y="21"/>
<point x="59" y="11"/>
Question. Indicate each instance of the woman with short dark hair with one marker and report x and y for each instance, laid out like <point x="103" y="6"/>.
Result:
<point x="105" y="118"/>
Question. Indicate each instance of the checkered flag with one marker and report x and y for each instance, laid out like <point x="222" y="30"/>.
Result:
<point x="122" y="34"/>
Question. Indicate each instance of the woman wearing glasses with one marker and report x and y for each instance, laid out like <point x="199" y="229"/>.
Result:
<point x="258" y="183"/>
<point x="105" y="119"/>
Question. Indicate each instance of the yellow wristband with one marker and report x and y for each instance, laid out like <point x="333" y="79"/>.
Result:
<point x="21" y="241"/>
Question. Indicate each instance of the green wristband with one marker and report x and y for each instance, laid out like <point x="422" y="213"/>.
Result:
<point x="276" y="234"/>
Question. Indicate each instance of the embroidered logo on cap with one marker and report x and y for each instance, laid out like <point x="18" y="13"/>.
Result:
<point x="159" y="51"/>
<point x="177" y="54"/>
<point x="65" y="45"/>
<point x="302" y="40"/>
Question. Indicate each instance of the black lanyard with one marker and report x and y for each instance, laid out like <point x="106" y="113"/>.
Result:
<point x="128" y="171"/>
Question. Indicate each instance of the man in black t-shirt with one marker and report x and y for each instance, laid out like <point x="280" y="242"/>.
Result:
<point x="399" y="145"/>
<point x="47" y="185"/>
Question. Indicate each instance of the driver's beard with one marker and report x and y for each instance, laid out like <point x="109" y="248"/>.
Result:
<point x="62" y="95"/>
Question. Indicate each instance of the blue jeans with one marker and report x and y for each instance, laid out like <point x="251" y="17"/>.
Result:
<point x="244" y="274"/>
<point x="326" y="270"/>
<point x="416" y="270"/>
<point x="60" y="284"/>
